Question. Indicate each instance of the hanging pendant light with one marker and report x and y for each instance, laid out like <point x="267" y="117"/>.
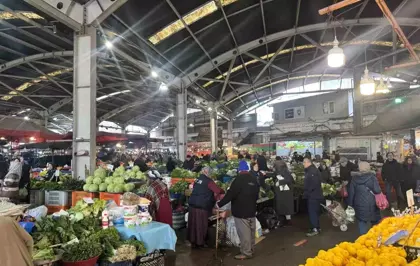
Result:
<point x="336" y="56"/>
<point x="382" y="87"/>
<point x="388" y="83"/>
<point x="367" y="84"/>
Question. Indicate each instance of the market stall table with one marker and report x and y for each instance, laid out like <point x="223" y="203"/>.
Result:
<point x="155" y="235"/>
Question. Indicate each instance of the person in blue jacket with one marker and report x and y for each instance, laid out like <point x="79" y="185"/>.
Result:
<point x="361" y="197"/>
<point x="312" y="192"/>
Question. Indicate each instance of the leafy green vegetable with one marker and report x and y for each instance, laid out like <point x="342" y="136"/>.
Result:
<point x="84" y="250"/>
<point x="43" y="254"/>
<point x="139" y="245"/>
<point x="179" y="187"/>
<point x="110" y="240"/>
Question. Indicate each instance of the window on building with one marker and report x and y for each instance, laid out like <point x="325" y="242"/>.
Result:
<point x="328" y="107"/>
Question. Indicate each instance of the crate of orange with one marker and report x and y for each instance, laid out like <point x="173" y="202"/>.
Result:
<point x="175" y="180"/>
<point x="79" y="195"/>
<point x="110" y="196"/>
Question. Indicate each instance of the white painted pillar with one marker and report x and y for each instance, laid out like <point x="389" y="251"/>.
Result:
<point x="213" y="130"/>
<point x="84" y="103"/>
<point x="230" y="134"/>
<point x="181" y="121"/>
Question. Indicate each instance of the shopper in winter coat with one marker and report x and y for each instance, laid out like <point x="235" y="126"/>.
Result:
<point x="391" y="175"/>
<point x="283" y="191"/>
<point x="410" y="175"/>
<point x="157" y="192"/>
<point x="379" y="158"/>
<point x="346" y="168"/>
<point x="262" y="162"/>
<point x="243" y="195"/>
<point x="312" y="192"/>
<point x="201" y="203"/>
<point x="188" y="163"/>
<point x="9" y="186"/>
<point x="361" y="197"/>
<point x="17" y="244"/>
<point x="325" y="173"/>
<point x="170" y="165"/>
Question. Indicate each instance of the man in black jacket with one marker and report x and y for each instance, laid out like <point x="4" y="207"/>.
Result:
<point x="262" y="162"/>
<point x="392" y="175"/>
<point x="188" y="163"/>
<point x="243" y="195"/>
<point x="312" y="192"/>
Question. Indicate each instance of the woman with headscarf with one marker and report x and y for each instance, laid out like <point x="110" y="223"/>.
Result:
<point x="10" y="183"/>
<point x="201" y="202"/>
<point x="160" y="206"/>
<point x="17" y="243"/>
<point x="283" y="191"/>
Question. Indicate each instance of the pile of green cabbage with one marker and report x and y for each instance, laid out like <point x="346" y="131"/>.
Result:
<point x="100" y="181"/>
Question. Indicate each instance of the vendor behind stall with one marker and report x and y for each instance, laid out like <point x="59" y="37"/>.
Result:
<point x="201" y="203"/>
<point x="50" y="171"/>
<point x="158" y="193"/>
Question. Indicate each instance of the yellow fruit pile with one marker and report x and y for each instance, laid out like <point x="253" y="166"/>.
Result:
<point x="356" y="254"/>
<point x="365" y="251"/>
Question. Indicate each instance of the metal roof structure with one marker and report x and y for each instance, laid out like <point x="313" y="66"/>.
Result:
<point x="234" y="52"/>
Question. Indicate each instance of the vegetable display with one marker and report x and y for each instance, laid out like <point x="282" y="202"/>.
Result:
<point x="83" y="250"/>
<point x="328" y="190"/>
<point x="179" y="187"/>
<point x="183" y="173"/>
<point x="116" y="183"/>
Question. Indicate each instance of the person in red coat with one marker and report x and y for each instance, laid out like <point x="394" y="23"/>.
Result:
<point x="160" y="206"/>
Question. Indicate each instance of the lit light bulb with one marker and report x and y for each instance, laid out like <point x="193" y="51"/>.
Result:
<point x="154" y="74"/>
<point x="26" y="118"/>
<point x="367" y="84"/>
<point x="108" y="44"/>
<point x="336" y="56"/>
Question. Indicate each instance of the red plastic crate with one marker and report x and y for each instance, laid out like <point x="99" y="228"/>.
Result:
<point x="110" y="196"/>
<point x="79" y="195"/>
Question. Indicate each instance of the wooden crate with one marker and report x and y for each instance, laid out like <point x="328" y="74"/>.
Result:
<point x="110" y="196"/>
<point x="79" y="195"/>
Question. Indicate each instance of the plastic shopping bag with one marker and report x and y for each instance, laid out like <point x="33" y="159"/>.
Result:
<point x="231" y="232"/>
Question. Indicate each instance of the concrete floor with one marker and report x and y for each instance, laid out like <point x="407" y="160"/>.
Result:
<point x="276" y="249"/>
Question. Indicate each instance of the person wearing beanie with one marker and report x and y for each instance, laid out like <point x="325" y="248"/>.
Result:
<point x="243" y="195"/>
<point x="201" y="203"/>
<point x="363" y="188"/>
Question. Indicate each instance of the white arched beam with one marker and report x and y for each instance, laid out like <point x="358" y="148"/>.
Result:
<point x="206" y="68"/>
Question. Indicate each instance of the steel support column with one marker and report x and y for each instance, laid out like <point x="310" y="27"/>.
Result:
<point x="413" y="139"/>
<point x="213" y="130"/>
<point x="326" y="143"/>
<point x="84" y="103"/>
<point x="357" y="102"/>
<point x="181" y="121"/>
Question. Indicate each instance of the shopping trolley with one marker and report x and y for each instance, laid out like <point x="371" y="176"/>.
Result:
<point x="338" y="215"/>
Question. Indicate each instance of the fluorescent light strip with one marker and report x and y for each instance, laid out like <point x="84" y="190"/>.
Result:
<point x="111" y="94"/>
<point x="189" y="19"/>
<point x="5" y="15"/>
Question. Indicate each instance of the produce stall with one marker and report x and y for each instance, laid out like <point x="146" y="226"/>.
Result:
<point x="394" y="241"/>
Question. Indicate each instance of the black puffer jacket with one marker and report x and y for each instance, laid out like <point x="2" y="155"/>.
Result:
<point x="312" y="184"/>
<point x="392" y="171"/>
<point x="345" y="172"/>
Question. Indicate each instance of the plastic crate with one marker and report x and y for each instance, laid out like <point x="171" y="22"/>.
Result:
<point x="156" y="258"/>
<point x="57" y="198"/>
<point x="175" y="180"/>
<point x="36" y="197"/>
<point x="110" y="196"/>
<point x="79" y="195"/>
<point x="120" y="263"/>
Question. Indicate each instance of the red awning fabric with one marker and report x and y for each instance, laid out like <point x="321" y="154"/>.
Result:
<point x="103" y="137"/>
<point x="14" y="128"/>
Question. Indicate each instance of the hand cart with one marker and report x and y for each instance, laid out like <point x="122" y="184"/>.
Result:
<point x="338" y="215"/>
